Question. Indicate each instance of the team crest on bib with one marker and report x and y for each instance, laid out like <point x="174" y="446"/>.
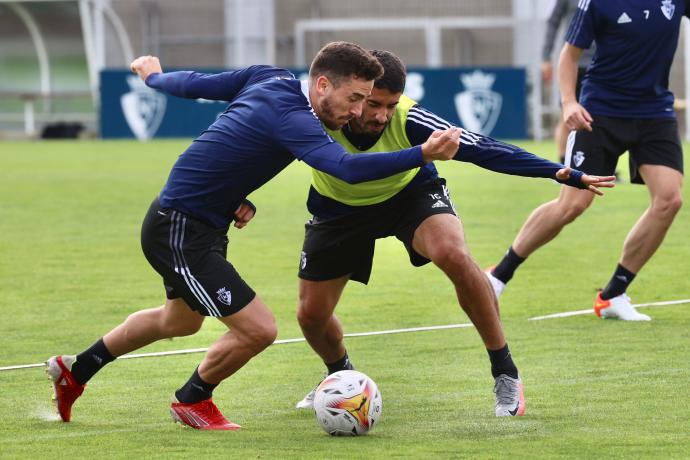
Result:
<point x="224" y="296"/>
<point x="668" y="8"/>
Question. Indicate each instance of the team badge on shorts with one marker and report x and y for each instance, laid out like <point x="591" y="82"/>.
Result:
<point x="578" y="158"/>
<point x="224" y="296"/>
<point x="668" y="8"/>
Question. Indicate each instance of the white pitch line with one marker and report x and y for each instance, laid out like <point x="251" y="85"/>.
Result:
<point x="589" y="310"/>
<point x="277" y="342"/>
<point x="362" y="334"/>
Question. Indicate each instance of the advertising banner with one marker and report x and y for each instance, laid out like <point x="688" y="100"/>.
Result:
<point x="489" y="101"/>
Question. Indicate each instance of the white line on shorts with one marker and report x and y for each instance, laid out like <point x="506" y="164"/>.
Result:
<point x="360" y="334"/>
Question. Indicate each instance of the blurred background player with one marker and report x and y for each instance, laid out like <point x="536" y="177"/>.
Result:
<point x="415" y="207"/>
<point x="620" y="109"/>
<point x="269" y="123"/>
<point x="562" y="13"/>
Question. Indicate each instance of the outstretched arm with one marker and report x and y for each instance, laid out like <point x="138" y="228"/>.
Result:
<point x="354" y="168"/>
<point x="193" y="85"/>
<point x="500" y="156"/>
<point x="300" y="132"/>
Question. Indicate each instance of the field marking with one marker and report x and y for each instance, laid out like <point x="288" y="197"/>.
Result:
<point x="277" y="342"/>
<point x="589" y="310"/>
<point x="362" y="334"/>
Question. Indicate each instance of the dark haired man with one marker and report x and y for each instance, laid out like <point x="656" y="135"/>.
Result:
<point x="415" y="207"/>
<point x="268" y="123"/>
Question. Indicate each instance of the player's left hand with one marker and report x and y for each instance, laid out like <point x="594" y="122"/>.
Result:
<point x="243" y="214"/>
<point x="592" y="183"/>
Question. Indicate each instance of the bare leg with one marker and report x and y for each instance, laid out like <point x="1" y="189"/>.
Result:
<point x="547" y="221"/>
<point x="316" y="317"/>
<point x="174" y="319"/>
<point x="251" y="330"/>
<point x="645" y="237"/>
<point x="440" y="238"/>
<point x="561" y="136"/>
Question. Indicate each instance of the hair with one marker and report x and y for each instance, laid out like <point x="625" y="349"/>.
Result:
<point x="340" y="60"/>
<point x="394" y="73"/>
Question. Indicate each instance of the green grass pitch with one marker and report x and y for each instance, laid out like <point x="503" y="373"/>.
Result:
<point x="71" y="268"/>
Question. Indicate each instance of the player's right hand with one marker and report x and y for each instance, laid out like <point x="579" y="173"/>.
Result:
<point x="442" y="145"/>
<point x="576" y="117"/>
<point x="145" y="66"/>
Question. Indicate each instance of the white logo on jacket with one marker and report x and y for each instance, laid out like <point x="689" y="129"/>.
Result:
<point x="668" y="8"/>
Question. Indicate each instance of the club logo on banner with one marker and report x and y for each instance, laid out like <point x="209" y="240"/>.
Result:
<point x="143" y="108"/>
<point x="478" y="106"/>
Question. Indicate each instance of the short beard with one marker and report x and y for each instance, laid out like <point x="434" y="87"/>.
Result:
<point x="328" y="118"/>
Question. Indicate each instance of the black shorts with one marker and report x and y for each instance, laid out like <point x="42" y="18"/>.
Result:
<point x="345" y="245"/>
<point x="190" y="256"/>
<point x="651" y="142"/>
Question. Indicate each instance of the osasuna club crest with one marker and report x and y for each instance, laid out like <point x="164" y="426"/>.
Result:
<point x="224" y="296"/>
<point x="143" y="108"/>
<point x="478" y="107"/>
<point x="668" y="8"/>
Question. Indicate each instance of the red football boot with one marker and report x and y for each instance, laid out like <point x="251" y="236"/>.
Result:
<point x="67" y="390"/>
<point x="202" y="415"/>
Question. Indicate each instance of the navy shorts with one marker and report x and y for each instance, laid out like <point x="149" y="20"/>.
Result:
<point x="345" y="245"/>
<point x="651" y="142"/>
<point x="191" y="257"/>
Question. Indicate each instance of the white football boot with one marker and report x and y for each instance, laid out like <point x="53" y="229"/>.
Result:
<point x="618" y="307"/>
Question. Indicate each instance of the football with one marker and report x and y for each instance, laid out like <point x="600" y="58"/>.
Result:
<point x="347" y="403"/>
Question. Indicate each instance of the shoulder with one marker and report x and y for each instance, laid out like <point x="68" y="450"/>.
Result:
<point x="421" y="116"/>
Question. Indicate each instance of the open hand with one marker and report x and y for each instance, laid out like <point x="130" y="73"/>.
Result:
<point x="442" y="145"/>
<point x="593" y="183"/>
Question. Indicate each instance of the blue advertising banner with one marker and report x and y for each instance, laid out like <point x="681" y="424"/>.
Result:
<point x="490" y="101"/>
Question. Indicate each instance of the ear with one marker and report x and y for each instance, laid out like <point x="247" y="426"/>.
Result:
<point x="322" y="83"/>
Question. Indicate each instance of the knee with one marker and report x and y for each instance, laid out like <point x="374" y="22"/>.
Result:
<point x="262" y="336"/>
<point x="308" y="313"/>
<point x="571" y="211"/>
<point x="453" y="256"/>
<point x="668" y="207"/>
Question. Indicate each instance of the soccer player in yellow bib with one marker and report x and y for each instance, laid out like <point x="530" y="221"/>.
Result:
<point x="414" y="206"/>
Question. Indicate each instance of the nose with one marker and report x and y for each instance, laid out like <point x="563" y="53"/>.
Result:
<point x="356" y="110"/>
<point x="381" y="117"/>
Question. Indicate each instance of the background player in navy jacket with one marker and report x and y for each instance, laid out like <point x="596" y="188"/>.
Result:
<point x="415" y="207"/>
<point x="625" y="104"/>
<point x="268" y="123"/>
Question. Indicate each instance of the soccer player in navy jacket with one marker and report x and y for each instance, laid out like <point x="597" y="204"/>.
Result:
<point x="625" y="105"/>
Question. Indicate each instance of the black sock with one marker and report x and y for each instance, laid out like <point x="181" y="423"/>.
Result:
<point x="343" y="364"/>
<point x="195" y="389"/>
<point x="502" y="362"/>
<point x="619" y="282"/>
<point x="91" y="361"/>
<point x="506" y="267"/>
